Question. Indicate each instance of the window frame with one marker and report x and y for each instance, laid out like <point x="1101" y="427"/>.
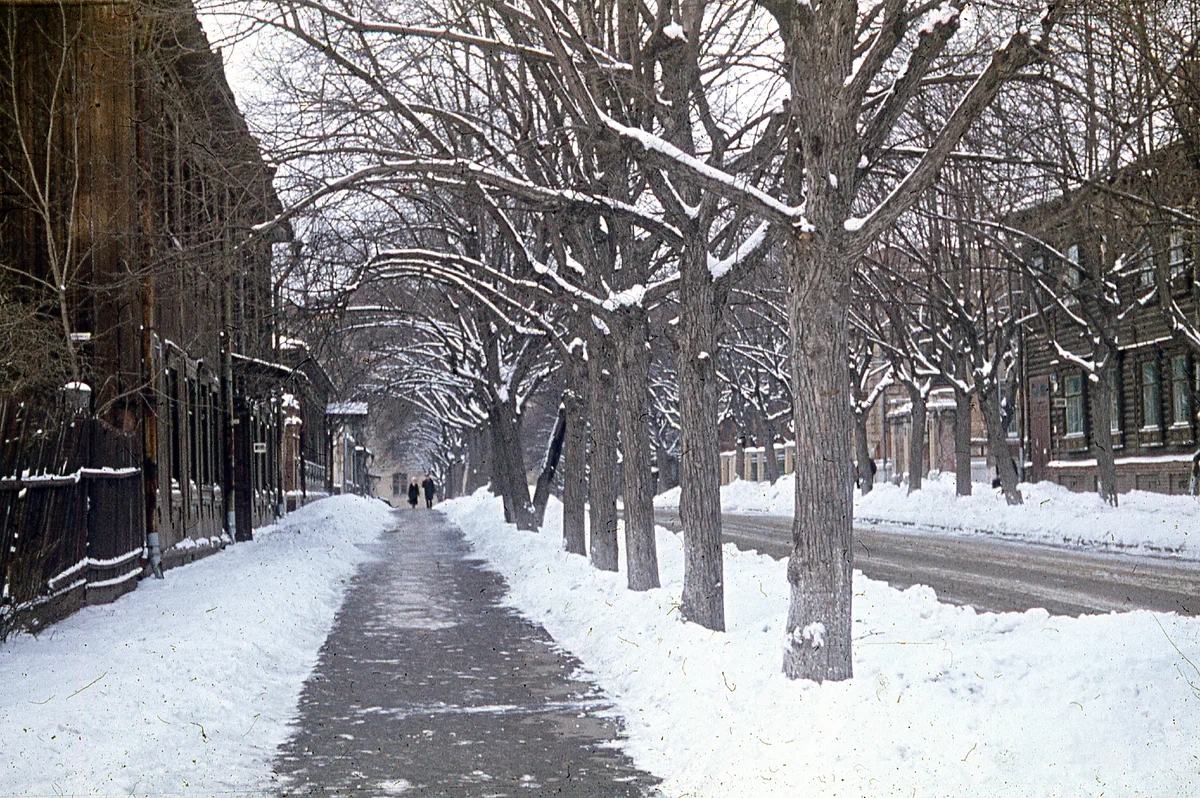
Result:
<point x="1073" y="276"/>
<point x="1114" y="398"/>
<point x="1074" y="399"/>
<point x="1177" y="260"/>
<point x="1154" y="385"/>
<point x="1180" y="392"/>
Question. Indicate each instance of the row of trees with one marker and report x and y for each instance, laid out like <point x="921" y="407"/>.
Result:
<point x="675" y="211"/>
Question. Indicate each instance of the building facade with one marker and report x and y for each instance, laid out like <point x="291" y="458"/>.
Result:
<point x="129" y="187"/>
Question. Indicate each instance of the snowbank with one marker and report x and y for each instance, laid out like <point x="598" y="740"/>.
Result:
<point x="945" y="702"/>
<point x="1051" y="514"/>
<point x="186" y="685"/>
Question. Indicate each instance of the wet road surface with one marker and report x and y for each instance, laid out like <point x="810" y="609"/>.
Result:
<point x="427" y="686"/>
<point x="993" y="575"/>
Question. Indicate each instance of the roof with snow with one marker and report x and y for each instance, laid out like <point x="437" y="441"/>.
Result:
<point x="346" y="409"/>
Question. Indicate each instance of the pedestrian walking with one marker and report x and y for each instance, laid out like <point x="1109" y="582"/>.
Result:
<point x="414" y="493"/>
<point x="430" y="488"/>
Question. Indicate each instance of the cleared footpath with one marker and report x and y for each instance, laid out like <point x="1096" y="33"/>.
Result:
<point x="427" y="686"/>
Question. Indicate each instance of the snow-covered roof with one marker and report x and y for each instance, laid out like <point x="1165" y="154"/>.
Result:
<point x="346" y="409"/>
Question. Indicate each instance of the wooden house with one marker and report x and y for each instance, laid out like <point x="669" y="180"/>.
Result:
<point x="130" y="187"/>
<point x="1131" y="244"/>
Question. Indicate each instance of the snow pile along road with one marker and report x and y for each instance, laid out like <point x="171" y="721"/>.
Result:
<point x="1051" y="514"/>
<point x="945" y="702"/>
<point x="186" y="685"/>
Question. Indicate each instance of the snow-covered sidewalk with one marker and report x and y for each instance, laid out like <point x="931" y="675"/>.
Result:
<point x="185" y="686"/>
<point x="945" y="702"/>
<point x="1149" y="523"/>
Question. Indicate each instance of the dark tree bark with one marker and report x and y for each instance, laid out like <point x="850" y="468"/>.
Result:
<point x="509" y="465"/>
<point x="916" y="438"/>
<point x="767" y="435"/>
<point x="962" y="442"/>
<point x="633" y="377"/>
<point x="821" y="565"/>
<point x="862" y="458"/>
<point x="703" y="599"/>
<point x="454" y="477"/>
<point x="989" y="403"/>
<point x="1099" y="396"/>
<point x="479" y="459"/>
<point x="668" y="469"/>
<point x="602" y="459"/>
<point x="545" y="480"/>
<point x="575" y="478"/>
<point x="739" y="457"/>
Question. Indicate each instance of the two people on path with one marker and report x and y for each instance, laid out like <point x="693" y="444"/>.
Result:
<point x="414" y="492"/>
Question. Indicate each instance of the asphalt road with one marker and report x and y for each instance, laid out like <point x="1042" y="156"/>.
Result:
<point x="994" y="575"/>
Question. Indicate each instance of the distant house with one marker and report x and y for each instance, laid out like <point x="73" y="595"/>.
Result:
<point x="1127" y="239"/>
<point x="349" y="456"/>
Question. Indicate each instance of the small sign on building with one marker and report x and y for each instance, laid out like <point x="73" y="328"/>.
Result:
<point x="260" y="448"/>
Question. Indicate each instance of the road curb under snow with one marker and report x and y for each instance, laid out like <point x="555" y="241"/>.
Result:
<point x="1146" y="523"/>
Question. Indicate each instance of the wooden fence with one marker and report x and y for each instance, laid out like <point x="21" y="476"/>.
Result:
<point x="71" y="509"/>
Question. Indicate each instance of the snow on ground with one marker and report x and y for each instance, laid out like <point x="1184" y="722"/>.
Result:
<point x="1051" y="514"/>
<point x="945" y="702"/>
<point x="186" y="685"/>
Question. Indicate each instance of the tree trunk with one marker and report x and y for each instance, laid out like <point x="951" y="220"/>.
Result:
<point x="962" y="442"/>
<point x="545" y="480"/>
<point x="703" y="599"/>
<point x="602" y="473"/>
<point x="575" y="478"/>
<point x="479" y="460"/>
<point x="770" y="462"/>
<point x="668" y="469"/>
<point x="739" y="457"/>
<point x="1100" y="412"/>
<point x="821" y="565"/>
<point x="989" y="404"/>
<point x="509" y="466"/>
<point x="916" y="438"/>
<point x="633" y="377"/>
<point x="454" y="477"/>
<point x="866" y="478"/>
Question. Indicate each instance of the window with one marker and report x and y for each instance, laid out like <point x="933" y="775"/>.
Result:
<point x="193" y="433"/>
<point x="217" y="471"/>
<point x="1073" y="390"/>
<point x="1072" y="278"/>
<point x="1181" y="400"/>
<point x="1177" y="255"/>
<point x="176" y="432"/>
<point x="1151" y="411"/>
<point x="1114" y="397"/>
<point x="1144" y="263"/>
<point x="204" y="477"/>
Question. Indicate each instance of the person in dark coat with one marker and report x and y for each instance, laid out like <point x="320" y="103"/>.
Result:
<point x="430" y="488"/>
<point x="414" y="493"/>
